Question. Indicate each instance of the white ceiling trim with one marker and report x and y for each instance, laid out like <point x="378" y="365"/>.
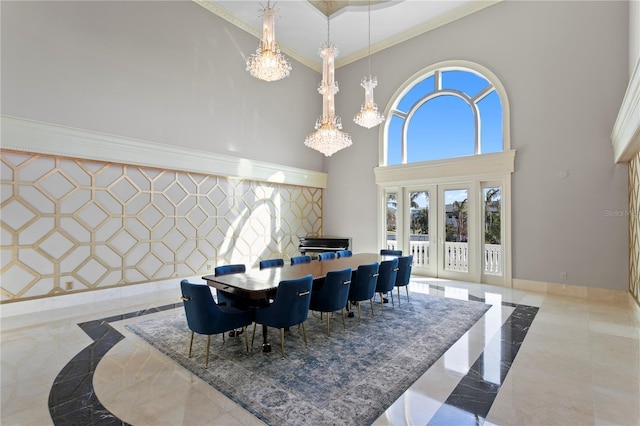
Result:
<point x="425" y="27"/>
<point x="257" y="33"/>
<point x="314" y="64"/>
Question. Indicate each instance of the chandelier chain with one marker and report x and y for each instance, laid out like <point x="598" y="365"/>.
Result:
<point x="369" y="116"/>
<point x="369" y="51"/>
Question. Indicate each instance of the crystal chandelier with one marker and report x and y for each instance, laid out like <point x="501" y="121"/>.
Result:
<point x="328" y="137"/>
<point x="369" y="116"/>
<point x="268" y="63"/>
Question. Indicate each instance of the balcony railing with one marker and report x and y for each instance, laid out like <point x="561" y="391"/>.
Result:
<point x="456" y="256"/>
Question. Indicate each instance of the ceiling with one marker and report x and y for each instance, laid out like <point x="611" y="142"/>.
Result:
<point x="301" y="26"/>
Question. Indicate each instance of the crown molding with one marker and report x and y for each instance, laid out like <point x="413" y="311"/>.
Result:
<point x="447" y="18"/>
<point x="51" y="139"/>
<point x="625" y="136"/>
<point x="312" y="63"/>
<point x="257" y="32"/>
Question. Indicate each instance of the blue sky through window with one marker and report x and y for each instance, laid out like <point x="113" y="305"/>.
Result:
<point x="444" y="126"/>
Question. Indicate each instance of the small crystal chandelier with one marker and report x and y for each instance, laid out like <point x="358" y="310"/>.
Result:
<point x="369" y="116"/>
<point x="268" y="63"/>
<point x="328" y="137"/>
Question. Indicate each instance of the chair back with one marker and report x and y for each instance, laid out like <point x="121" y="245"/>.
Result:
<point x="404" y="270"/>
<point x="229" y="269"/>
<point x="386" y="252"/>
<point x="199" y="307"/>
<point x="387" y="273"/>
<point x="300" y="259"/>
<point x="334" y="292"/>
<point x="363" y="282"/>
<point x="344" y="253"/>
<point x="271" y="263"/>
<point x="290" y="306"/>
<point x="326" y="256"/>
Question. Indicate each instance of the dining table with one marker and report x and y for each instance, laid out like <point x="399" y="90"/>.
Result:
<point x="258" y="286"/>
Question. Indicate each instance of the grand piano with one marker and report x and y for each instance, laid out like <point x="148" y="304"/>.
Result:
<point x="320" y="244"/>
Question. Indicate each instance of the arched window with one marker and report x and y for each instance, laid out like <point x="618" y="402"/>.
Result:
<point x="444" y="174"/>
<point x="447" y="111"/>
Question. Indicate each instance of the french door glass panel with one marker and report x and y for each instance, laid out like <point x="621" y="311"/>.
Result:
<point x="456" y="230"/>
<point x="391" y="220"/>
<point x="453" y="231"/>
<point x="419" y="236"/>
<point x="493" y="248"/>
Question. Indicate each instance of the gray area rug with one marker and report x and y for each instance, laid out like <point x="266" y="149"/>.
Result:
<point x="350" y="378"/>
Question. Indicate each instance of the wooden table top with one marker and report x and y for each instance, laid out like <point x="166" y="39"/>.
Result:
<point x="261" y="284"/>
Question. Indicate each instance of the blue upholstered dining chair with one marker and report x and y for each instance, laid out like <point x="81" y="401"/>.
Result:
<point x="404" y="274"/>
<point x="290" y="307"/>
<point x="327" y="255"/>
<point x="344" y="253"/>
<point x="333" y="295"/>
<point x="386" y="252"/>
<point x="205" y="317"/>
<point x="300" y="259"/>
<point x="363" y="285"/>
<point x="225" y="298"/>
<point x="387" y="274"/>
<point x="271" y="263"/>
<point x="229" y="269"/>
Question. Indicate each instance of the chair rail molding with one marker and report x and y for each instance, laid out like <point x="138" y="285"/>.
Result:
<point x="625" y="136"/>
<point x="20" y="134"/>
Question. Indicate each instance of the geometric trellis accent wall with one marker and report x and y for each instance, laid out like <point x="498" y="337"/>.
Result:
<point x="634" y="226"/>
<point x="71" y="225"/>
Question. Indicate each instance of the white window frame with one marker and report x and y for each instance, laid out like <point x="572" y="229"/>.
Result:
<point x="494" y="167"/>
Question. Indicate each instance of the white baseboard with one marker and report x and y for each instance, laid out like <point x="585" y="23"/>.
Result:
<point x="571" y="290"/>
<point x="69" y="301"/>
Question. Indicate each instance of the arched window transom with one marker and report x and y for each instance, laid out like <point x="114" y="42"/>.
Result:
<point x="447" y="112"/>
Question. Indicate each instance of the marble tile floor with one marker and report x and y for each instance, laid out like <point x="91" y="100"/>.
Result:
<point x="576" y="363"/>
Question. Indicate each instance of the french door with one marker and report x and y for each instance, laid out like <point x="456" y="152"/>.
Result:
<point x="453" y="230"/>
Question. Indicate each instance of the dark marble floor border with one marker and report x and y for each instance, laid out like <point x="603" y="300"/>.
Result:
<point x="470" y="401"/>
<point x="72" y="399"/>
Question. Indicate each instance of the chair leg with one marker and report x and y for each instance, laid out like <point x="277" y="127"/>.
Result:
<point x="358" y="312"/>
<point x="328" y="327"/>
<point x="253" y="335"/>
<point x="371" y="302"/>
<point x="382" y="303"/>
<point x="406" y="287"/>
<point x="392" y="302"/>
<point x="246" y="339"/>
<point x="206" y="361"/>
<point x="282" y="341"/>
<point x="191" y="344"/>
<point x="398" y="295"/>
<point x="304" y="334"/>
<point x="344" y="324"/>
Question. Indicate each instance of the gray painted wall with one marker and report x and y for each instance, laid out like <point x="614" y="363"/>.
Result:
<point x="634" y="34"/>
<point x="564" y="66"/>
<point x="151" y="71"/>
<point x="168" y="72"/>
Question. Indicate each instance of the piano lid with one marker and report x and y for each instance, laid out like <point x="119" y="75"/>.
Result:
<point x="323" y="243"/>
<point x="324" y="237"/>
